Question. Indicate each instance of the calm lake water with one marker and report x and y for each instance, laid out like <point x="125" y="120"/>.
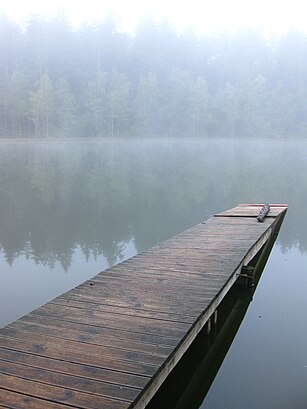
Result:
<point x="70" y="209"/>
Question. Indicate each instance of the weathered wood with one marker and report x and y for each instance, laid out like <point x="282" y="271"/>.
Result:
<point x="112" y="341"/>
<point x="84" y="371"/>
<point x="48" y="342"/>
<point x="252" y="210"/>
<point x="89" y="329"/>
<point x="80" y="335"/>
<point x="105" y="362"/>
<point x="20" y="401"/>
<point x="74" y="383"/>
<point x="56" y="394"/>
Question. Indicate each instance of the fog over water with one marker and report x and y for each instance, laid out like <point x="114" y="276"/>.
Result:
<point x="70" y="209"/>
<point x="122" y="128"/>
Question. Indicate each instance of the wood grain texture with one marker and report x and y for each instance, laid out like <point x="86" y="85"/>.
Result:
<point x="111" y="341"/>
<point x="16" y="400"/>
<point x="253" y="210"/>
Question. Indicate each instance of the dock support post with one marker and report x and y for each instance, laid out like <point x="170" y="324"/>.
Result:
<point x="215" y="318"/>
<point x="211" y="323"/>
<point x="208" y="328"/>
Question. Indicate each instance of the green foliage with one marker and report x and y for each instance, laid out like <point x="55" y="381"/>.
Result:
<point x="146" y="104"/>
<point x="199" y="109"/>
<point x="64" y="108"/>
<point x="42" y="106"/>
<point x="97" y="101"/>
<point x="99" y="81"/>
<point x="117" y="101"/>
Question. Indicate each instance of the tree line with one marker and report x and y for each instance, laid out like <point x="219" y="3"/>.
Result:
<point x="99" y="196"/>
<point x="95" y="80"/>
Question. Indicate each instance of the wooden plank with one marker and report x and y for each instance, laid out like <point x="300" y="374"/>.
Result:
<point x="112" y="341"/>
<point x="119" y="311"/>
<point x="143" y="302"/>
<point x="155" y="309"/>
<point x="69" y="382"/>
<point x="158" y="275"/>
<point x="52" y="351"/>
<point x="251" y="211"/>
<point x="58" y="395"/>
<point x="13" y="400"/>
<point x="147" y="293"/>
<point x="262" y="204"/>
<point x="146" y="326"/>
<point x="159" y="378"/>
<point x="89" y="329"/>
<point x="89" y="338"/>
<point x="86" y="371"/>
<point x="46" y="341"/>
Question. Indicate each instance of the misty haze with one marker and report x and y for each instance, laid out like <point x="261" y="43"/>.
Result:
<point x="97" y="81"/>
<point x="112" y="142"/>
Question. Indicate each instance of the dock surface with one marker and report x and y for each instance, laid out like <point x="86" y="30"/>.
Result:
<point x="111" y="342"/>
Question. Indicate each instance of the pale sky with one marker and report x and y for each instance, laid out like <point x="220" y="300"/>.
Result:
<point x="273" y="16"/>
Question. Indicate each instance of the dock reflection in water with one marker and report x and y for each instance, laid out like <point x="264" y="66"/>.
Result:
<point x="188" y="384"/>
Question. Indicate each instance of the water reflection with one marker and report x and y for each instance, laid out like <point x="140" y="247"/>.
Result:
<point x="67" y="205"/>
<point x="99" y="196"/>
<point x="190" y="381"/>
<point x="68" y="210"/>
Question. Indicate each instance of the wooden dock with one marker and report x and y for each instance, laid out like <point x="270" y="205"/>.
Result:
<point x="111" y="342"/>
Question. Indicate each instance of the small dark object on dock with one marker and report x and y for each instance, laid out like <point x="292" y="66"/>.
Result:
<point x="263" y="212"/>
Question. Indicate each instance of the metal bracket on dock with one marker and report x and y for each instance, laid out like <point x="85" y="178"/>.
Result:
<point x="246" y="277"/>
